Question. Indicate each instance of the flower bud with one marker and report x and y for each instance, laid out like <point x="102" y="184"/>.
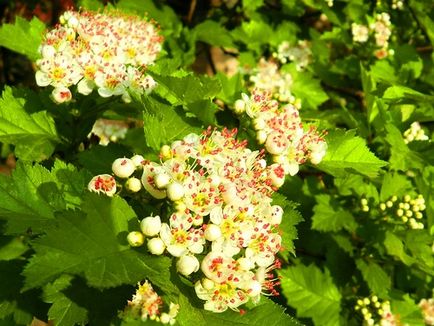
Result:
<point x="187" y="264"/>
<point x="133" y="184"/>
<point x="137" y="160"/>
<point x="162" y="180"/>
<point x="239" y="106"/>
<point x="150" y="226"/>
<point x="259" y="124"/>
<point x="61" y="94"/>
<point x="166" y="152"/>
<point x="212" y="232"/>
<point x="156" y="246"/>
<point x="207" y="283"/>
<point x="246" y="264"/>
<point x="135" y="239"/>
<point x="123" y="167"/>
<point x="261" y="136"/>
<point x="175" y="191"/>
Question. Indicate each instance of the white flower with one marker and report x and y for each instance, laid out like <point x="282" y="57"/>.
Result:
<point x="61" y="94"/>
<point x="150" y="226"/>
<point x="360" y="33"/>
<point x="103" y="183"/>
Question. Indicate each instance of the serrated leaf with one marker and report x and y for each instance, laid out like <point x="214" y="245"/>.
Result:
<point x="329" y="215"/>
<point x="34" y="135"/>
<point x="63" y="311"/>
<point x="377" y="279"/>
<point x="100" y="231"/>
<point x="30" y="196"/>
<point x="394" y="184"/>
<point x="408" y="311"/>
<point x="308" y="89"/>
<point x="213" y="33"/>
<point x="312" y="293"/>
<point x="352" y="184"/>
<point x="395" y="247"/>
<point x="23" y="37"/>
<point x="164" y="124"/>
<point x="348" y="153"/>
<point x="11" y="248"/>
<point x="291" y="217"/>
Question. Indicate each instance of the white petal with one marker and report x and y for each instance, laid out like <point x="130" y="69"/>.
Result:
<point x="42" y="79"/>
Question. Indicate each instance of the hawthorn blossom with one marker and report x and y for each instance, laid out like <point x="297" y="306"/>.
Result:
<point x="104" y="51"/>
<point x="103" y="183"/>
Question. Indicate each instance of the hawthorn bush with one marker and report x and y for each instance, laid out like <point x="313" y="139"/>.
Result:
<point x="223" y="162"/>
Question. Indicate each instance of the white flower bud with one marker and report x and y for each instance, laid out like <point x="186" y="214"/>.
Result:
<point x="207" y="283"/>
<point x="276" y="214"/>
<point x="259" y="124"/>
<point x="85" y="86"/>
<point x="137" y="160"/>
<point x="135" y="239"/>
<point x="165" y="152"/>
<point x="162" y="180"/>
<point x="156" y="246"/>
<point x="212" y="232"/>
<point x="150" y="226"/>
<point x="246" y="264"/>
<point x="187" y="264"/>
<point x="123" y="167"/>
<point x="133" y="184"/>
<point x="261" y="136"/>
<point x="175" y="191"/>
<point x="239" y="106"/>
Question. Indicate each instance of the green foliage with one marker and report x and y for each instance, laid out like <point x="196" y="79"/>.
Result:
<point x="312" y="293"/>
<point x="23" y="37"/>
<point x="33" y="134"/>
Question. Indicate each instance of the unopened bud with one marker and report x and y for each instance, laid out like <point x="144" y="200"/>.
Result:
<point x="162" y="180"/>
<point x="165" y="152"/>
<point x="138" y="160"/>
<point x="175" y="191"/>
<point x="212" y="232"/>
<point x="135" y="239"/>
<point x="156" y="246"/>
<point x="123" y="167"/>
<point x="239" y="106"/>
<point x="133" y="184"/>
<point x="187" y="264"/>
<point x="150" y="226"/>
<point x="261" y="136"/>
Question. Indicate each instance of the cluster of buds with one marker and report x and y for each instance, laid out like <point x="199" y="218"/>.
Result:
<point x="109" y="130"/>
<point x="398" y="4"/>
<point x="415" y="132"/>
<point x="409" y="210"/>
<point x="220" y="207"/>
<point x="381" y="28"/>
<point x="300" y="54"/>
<point x="364" y="205"/>
<point x="281" y="131"/>
<point x="267" y="77"/>
<point x="146" y="304"/>
<point x="108" y="52"/>
<point x="123" y="168"/>
<point x="427" y="307"/>
<point x="375" y="312"/>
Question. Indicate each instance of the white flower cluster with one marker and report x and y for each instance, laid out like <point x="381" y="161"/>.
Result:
<point x="300" y="54"/>
<point x="427" y="307"/>
<point x="281" y="131"/>
<point x="375" y="312"/>
<point x="146" y="303"/>
<point x="108" y="52"/>
<point x="409" y="210"/>
<point x="268" y="77"/>
<point x="221" y="208"/>
<point x="109" y="130"/>
<point x="381" y="28"/>
<point x="415" y="132"/>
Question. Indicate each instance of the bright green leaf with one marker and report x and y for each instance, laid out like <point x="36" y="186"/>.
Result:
<point x="329" y="215"/>
<point x="377" y="279"/>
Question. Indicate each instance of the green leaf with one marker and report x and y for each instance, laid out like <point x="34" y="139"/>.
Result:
<point x="91" y="4"/>
<point x="330" y="216"/>
<point x="348" y="153"/>
<point x="308" y="89"/>
<point x="231" y="87"/>
<point x="255" y="34"/>
<point x="30" y="196"/>
<point x="394" y="184"/>
<point x="164" y="124"/>
<point x="63" y="311"/>
<point x="34" y="135"/>
<point x="213" y="33"/>
<point x="11" y="248"/>
<point x="99" y="230"/>
<point x="23" y="37"/>
<point x="408" y="311"/>
<point x="377" y="279"/>
<point x="395" y="247"/>
<point x="352" y="184"/>
<point x="312" y="293"/>
<point x="291" y="217"/>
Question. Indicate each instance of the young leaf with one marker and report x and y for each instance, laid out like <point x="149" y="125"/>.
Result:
<point x="330" y="216"/>
<point x="377" y="279"/>
<point x="34" y="135"/>
<point x="213" y="33"/>
<point x="23" y="37"/>
<point x="348" y="153"/>
<point x="99" y="230"/>
<point x="312" y="293"/>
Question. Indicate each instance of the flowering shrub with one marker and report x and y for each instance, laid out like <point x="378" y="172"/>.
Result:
<point x="217" y="163"/>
